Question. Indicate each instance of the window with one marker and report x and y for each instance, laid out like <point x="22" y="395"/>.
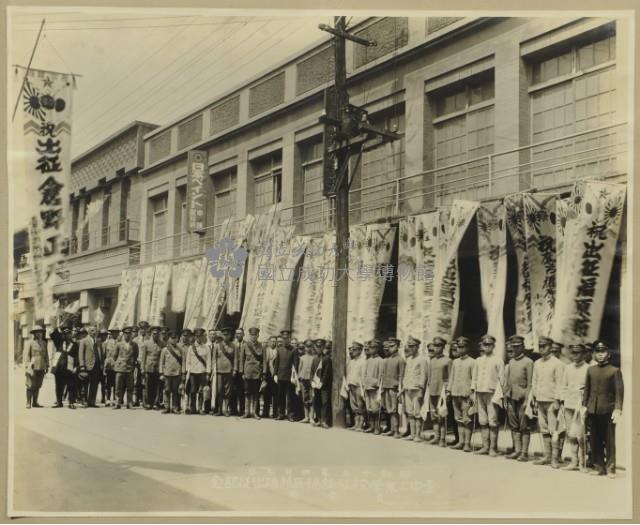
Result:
<point x="463" y="131"/>
<point x="124" y="200"/>
<point x="313" y="202"/>
<point x="267" y="181"/>
<point x="382" y="165"/>
<point x="160" y="213"/>
<point x="225" y="196"/>
<point x="106" y="229"/>
<point x="74" y="226"/>
<point x="576" y="97"/>
<point x="85" y="224"/>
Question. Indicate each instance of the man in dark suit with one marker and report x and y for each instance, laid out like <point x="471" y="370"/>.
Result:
<point x="89" y="369"/>
<point x="283" y="364"/>
<point x="602" y="402"/>
<point x="65" y="365"/>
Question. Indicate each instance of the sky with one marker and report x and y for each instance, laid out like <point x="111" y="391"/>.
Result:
<point x="151" y="65"/>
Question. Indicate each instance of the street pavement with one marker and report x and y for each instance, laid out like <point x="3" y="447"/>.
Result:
<point x="135" y="461"/>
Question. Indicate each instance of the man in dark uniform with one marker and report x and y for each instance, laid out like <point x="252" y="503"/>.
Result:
<point x="183" y="345"/>
<point x="237" y="399"/>
<point x="66" y="360"/>
<point x="224" y="354"/>
<point x="88" y="363"/>
<point x="602" y="403"/>
<point x="325" y="376"/>
<point x="171" y="370"/>
<point x="150" y="351"/>
<point x="125" y="359"/>
<point x="283" y="366"/>
<point x="270" y="389"/>
<point x="138" y="376"/>
<point x="101" y="356"/>
<point x="249" y="367"/>
<point x="109" y="374"/>
<point x="198" y="367"/>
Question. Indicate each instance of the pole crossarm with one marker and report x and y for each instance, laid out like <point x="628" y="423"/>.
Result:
<point x="347" y="36"/>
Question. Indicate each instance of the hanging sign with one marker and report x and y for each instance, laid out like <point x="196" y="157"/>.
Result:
<point x="196" y="179"/>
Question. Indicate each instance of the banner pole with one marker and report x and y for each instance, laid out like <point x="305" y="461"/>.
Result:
<point x="24" y="79"/>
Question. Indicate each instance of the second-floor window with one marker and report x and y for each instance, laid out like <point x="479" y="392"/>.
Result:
<point x="312" y="199"/>
<point x="225" y="196"/>
<point x="463" y="127"/>
<point x="107" y="235"/>
<point x="267" y="181"/>
<point x="159" y="217"/>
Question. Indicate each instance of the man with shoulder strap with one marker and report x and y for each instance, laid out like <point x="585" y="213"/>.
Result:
<point x="125" y="358"/>
<point x="139" y="336"/>
<point x="249" y="365"/>
<point x="150" y="365"/>
<point x="224" y="355"/>
<point x="172" y="368"/>
<point x="198" y="368"/>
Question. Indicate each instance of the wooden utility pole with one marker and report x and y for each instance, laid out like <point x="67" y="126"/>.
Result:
<point x="346" y="129"/>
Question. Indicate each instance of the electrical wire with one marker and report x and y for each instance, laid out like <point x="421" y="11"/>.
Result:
<point x="133" y="102"/>
<point x="136" y="27"/>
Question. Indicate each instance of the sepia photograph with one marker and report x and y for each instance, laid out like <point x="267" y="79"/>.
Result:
<point x="319" y="264"/>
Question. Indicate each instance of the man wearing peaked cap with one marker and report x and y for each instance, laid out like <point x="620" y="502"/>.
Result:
<point x="35" y="359"/>
<point x="198" y="368"/>
<point x="150" y="351"/>
<point x="372" y="377"/>
<point x="109" y="373"/>
<point x="222" y="360"/>
<point x="354" y="384"/>
<point x="459" y="386"/>
<point x="518" y="376"/>
<point x="602" y="403"/>
<point x="124" y="362"/>
<point x="547" y="375"/>
<point x="437" y="379"/>
<point x="392" y="375"/>
<point x="489" y="373"/>
<point x="138" y="374"/>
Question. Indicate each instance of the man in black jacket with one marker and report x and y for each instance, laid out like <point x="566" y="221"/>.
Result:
<point x="282" y="377"/>
<point x="602" y="402"/>
<point x="66" y="362"/>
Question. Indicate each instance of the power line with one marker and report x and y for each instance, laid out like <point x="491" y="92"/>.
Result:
<point x="140" y="26"/>
<point x="147" y="94"/>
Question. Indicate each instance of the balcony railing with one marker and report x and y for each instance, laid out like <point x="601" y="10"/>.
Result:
<point x="93" y="239"/>
<point x="552" y="164"/>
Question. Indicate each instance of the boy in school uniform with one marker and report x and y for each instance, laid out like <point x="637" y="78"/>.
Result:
<point x="322" y="383"/>
<point x="249" y="366"/>
<point x="459" y="388"/>
<point x="602" y="404"/>
<point x="392" y="374"/>
<point x="438" y="377"/>
<point x="304" y="376"/>
<point x="355" y="376"/>
<point x="571" y="393"/>
<point x="413" y="387"/>
<point x="172" y="369"/>
<point x="372" y="379"/>
<point x="489" y="372"/>
<point x="518" y="380"/>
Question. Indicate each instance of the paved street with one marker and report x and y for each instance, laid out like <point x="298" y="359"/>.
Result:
<point x="101" y="460"/>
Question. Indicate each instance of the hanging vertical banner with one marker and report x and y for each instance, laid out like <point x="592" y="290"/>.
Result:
<point x="374" y="273"/>
<point x="130" y="306"/>
<point x="407" y="308"/>
<point x="308" y="309"/>
<point x="426" y="247"/>
<point x="540" y="232"/>
<point x="146" y="288"/>
<point x="492" y="258"/>
<point x="119" y="314"/>
<point x="197" y="172"/>
<point x="179" y="284"/>
<point x="325" y="329"/>
<point x="242" y="232"/>
<point x="357" y="237"/>
<point x="41" y="149"/>
<point x="194" y="299"/>
<point x="161" y="282"/>
<point x="452" y="225"/>
<point x="595" y="229"/>
<point x="288" y="252"/>
<point x="562" y="215"/>
<point x="515" y="224"/>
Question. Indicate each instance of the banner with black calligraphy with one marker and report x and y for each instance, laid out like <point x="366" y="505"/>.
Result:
<point x="42" y="148"/>
<point x="146" y="288"/>
<point x="492" y="259"/>
<point x="161" y="282"/>
<point x="595" y="228"/>
<point x="197" y="182"/>
<point x="452" y="225"/>
<point x="516" y="226"/>
<point x="540" y="231"/>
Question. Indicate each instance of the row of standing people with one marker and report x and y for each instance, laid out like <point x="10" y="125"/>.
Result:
<point x="559" y="397"/>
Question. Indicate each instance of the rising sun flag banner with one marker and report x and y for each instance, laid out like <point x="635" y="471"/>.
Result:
<point x="41" y="148"/>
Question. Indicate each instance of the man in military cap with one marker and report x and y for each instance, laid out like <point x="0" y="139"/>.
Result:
<point x="64" y="365"/>
<point x="413" y="387"/>
<point x="459" y="388"/>
<point x="224" y="357"/>
<point x="557" y="349"/>
<point x="237" y="398"/>
<point x="150" y="365"/>
<point x="101" y="350"/>
<point x="198" y="368"/>
<point x="125" y="359"/>
<point x="35" y="359"/>
<point x="571" y="392"/>
<point x="518" y="381"/>
<point x="547" y="377"/>
<point x="268" y="386"/>
<point x="183" y="344"/>
<point x="372" y="382"/>
<point x="87" y="361"/>
<point x="283" y="365"/>
<point x="172" y="368"/>
<point x="392" y="375"/>
<point x="249" y="366"/>
<point x="138" y="375"/>
<point x="437" y="379"/>
<point x="318" y="350"/>
<point x="602" y="404"/>
<point x="489" y="373"/>
<point x="109" y="374"/>
<point x="355" y="375"/>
